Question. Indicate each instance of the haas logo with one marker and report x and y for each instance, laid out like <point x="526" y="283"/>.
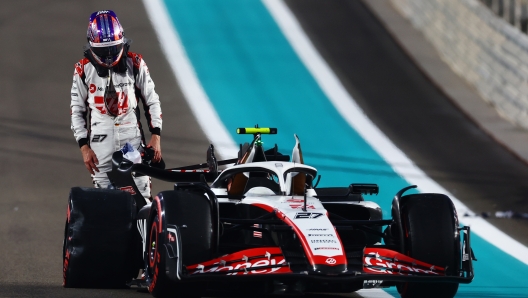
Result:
<point x="331" y="261"/>
<point x="92" y="88"/>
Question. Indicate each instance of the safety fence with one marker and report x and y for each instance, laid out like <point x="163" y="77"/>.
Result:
<point x="480" y="46"/>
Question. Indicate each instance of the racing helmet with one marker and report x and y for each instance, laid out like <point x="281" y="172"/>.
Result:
<point x="106" y="38"/>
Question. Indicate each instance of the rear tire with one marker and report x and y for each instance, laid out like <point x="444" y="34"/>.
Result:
<point x="430" y="235"/>
<point x="99" y="239"/>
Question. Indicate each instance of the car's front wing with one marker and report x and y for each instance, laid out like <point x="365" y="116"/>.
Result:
<point x="378" y="264"/>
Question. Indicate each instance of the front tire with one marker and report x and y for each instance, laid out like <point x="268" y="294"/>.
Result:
<point x="430" y="235"/>
<point x="159" y="284"/>
<point x="179" y="234"/>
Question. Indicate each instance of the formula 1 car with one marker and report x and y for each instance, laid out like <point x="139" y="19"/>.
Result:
<point x="260" y="226"/>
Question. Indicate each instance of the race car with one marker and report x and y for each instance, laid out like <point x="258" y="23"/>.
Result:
<point x="260" y="226"/>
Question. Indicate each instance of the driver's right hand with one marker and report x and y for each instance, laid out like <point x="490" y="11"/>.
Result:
<point x="90" y="159"/>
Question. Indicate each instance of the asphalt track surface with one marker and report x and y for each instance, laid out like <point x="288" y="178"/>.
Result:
<point x="40" y="160"/>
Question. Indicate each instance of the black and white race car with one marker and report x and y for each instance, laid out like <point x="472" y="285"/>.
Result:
<point x="260" y="226"/>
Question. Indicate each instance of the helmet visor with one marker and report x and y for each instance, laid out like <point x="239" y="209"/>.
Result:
<point x="107" y="56"/>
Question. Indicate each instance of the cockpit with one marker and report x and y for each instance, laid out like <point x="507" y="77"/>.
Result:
<point x="266" y="178"/>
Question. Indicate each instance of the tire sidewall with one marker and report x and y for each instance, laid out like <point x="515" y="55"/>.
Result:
<point x="153" y="256"/>
<point x="65" y="250"/>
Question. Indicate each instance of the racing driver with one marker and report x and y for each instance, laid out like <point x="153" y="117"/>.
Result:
<point x="108" y="84"/>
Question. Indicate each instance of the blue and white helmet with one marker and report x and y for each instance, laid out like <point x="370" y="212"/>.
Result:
<point x="106" y="38"/>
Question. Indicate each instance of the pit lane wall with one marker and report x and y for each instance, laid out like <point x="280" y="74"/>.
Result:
<point x="485" y="50"/>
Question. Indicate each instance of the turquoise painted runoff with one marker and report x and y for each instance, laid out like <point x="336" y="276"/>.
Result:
<point x="252" y="76"/>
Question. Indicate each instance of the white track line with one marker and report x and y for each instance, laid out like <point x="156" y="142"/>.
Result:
<point x="355" y="117"/>
<point x="186" y="77"/>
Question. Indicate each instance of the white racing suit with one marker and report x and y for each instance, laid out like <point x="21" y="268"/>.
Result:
<point x="111" y="101"/>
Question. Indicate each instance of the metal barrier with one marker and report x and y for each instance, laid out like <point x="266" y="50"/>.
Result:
<point x="514" y="12"/>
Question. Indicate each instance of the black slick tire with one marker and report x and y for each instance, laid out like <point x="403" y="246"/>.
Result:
<point x="166" y="253"/>
<point x="98" y="237"/>
<point x="430" y="235"/>
<point x="159" y="284"/>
